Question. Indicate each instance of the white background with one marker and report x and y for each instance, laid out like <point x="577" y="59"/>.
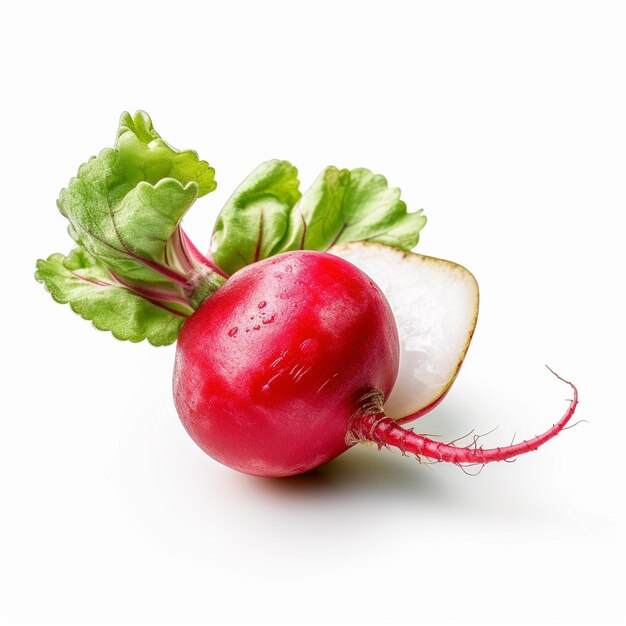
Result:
<point x="506" y="122"/>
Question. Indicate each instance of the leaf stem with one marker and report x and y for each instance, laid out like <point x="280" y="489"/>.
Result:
<point x="198" y="256"/>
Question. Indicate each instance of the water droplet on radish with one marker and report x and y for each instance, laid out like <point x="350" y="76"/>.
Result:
<point x="262" y="304"/>
<point x="257" y="327"/>
<point x="269" y="320"/>
<point x="233" y="331"/>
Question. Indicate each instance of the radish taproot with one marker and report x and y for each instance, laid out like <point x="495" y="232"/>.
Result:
<point x="287" y="352"/>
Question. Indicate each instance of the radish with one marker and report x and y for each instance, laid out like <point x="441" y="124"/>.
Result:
<point x="293" y="331"/>
<point x="270" y="369"/>
<point x="290" y="362"/>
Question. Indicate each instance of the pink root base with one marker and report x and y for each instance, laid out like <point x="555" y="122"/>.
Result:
<point x="372" y="425"/>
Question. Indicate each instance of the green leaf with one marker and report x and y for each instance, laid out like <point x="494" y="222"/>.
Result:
<point x="145" y="156"/>
<point x="351" y="205"/>
<point x="124" y="208"/>
<point x="86" y="285"/>
<point x="316" y="219"/>
<point x="130" y="235"/>
<point x="126" y="203"/>
<point x="254" y="220"/>
<point x="266" y="215"/>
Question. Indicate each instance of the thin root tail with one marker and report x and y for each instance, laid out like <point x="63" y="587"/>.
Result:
<point x="370" y="424"/>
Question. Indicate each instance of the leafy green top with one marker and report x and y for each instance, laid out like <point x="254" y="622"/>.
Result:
<point x="135" y="272"/>
<point x="267" y="214"/>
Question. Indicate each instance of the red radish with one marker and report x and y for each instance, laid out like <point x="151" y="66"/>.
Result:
<point x="289" y="363"/>
<point x="309" y="327"/>
<point x="271" y="367"/>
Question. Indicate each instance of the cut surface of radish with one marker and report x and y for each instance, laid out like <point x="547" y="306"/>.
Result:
<point x="435" y="305"/>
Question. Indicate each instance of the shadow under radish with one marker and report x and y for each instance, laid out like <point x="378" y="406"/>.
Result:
<point x="360" y="470"/>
